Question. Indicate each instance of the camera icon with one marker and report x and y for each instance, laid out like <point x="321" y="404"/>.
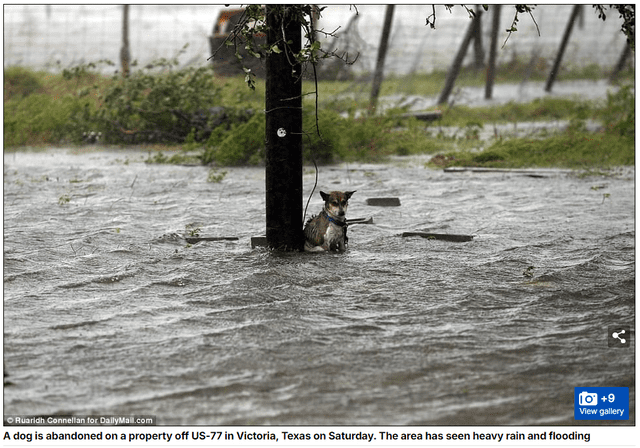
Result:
<point x="587" y="399"/>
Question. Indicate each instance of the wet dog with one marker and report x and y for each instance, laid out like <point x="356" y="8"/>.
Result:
<point x="328" y="230"/>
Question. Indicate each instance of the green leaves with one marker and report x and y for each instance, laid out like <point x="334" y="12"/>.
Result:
<point x="147" y="107"/>
<point x="249" y="33"/>
<point x="520" y="9"/>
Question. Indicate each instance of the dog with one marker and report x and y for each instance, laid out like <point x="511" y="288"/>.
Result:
<point x="328" y="230"/>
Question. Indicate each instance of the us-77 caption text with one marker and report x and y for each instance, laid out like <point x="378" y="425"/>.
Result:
<point x="285" y="436"/>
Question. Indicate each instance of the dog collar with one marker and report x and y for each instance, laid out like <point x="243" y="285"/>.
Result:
<point x="335" y="221"/>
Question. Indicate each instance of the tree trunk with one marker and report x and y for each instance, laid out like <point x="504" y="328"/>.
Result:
<point x="457" y="61"/>
<point x="493" y="51"/>
<point x="283" y="105"/>
<point x="125" y="56"/>
<point x="563" y="45"/>
<point x="382" y="54"/>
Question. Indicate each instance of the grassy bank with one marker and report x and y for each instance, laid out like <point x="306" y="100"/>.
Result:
<point x="571" y="149"/>
<point x="221" y="121"/>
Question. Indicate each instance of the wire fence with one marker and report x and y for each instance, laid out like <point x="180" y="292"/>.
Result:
<point x="60" y="36"/>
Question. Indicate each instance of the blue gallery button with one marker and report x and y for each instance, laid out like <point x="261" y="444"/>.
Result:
<point x="601" y="403"/>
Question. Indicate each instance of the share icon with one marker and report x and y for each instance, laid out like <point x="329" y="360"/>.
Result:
<point x="618" y="336"/>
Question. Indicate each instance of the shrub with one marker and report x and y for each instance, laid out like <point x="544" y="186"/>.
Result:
<point x="323" y="148"/>
<point x="20" y="82"/>
<point x="363" y="138"/>
<point x="242" y="144"/>
<point x="38" y="119"/>
<point x="619" y="115"/>
<point x="148" y="108"/>
<point x="366" y="138"/>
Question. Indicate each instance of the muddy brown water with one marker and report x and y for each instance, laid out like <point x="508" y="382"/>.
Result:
<point x="108" y="311"/>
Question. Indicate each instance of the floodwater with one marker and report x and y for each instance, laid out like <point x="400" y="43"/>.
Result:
<point x="108" y="311"/>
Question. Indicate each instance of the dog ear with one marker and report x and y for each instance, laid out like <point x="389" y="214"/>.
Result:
<point x="325" y="196"/>
<point x="349" y="193"/>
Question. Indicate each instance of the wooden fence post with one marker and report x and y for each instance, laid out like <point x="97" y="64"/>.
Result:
<point x="491" y="68"/>
<point x="563" y="45"/>
<point x="125" y="55"/>
<point x="478" y="51"/>
<point x="382" y="54"/>
<point x="457" y="61"/>
<point x="621" y="61"/>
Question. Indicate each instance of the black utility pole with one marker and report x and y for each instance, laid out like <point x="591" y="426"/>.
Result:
<point x="283" y="106"/>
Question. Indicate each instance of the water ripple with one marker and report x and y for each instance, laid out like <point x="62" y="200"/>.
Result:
<point x="132" y="320"/>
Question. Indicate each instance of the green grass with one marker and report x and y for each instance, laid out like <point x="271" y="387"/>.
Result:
<point x="578" y="150"/>
<point x="544" y="109"/>
<point x="44" y="109"/>
<point x="38" y="106"/>
<point x="574" y="148"/>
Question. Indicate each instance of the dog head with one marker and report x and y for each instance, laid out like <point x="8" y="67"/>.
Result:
<point x="336" y="202"/>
